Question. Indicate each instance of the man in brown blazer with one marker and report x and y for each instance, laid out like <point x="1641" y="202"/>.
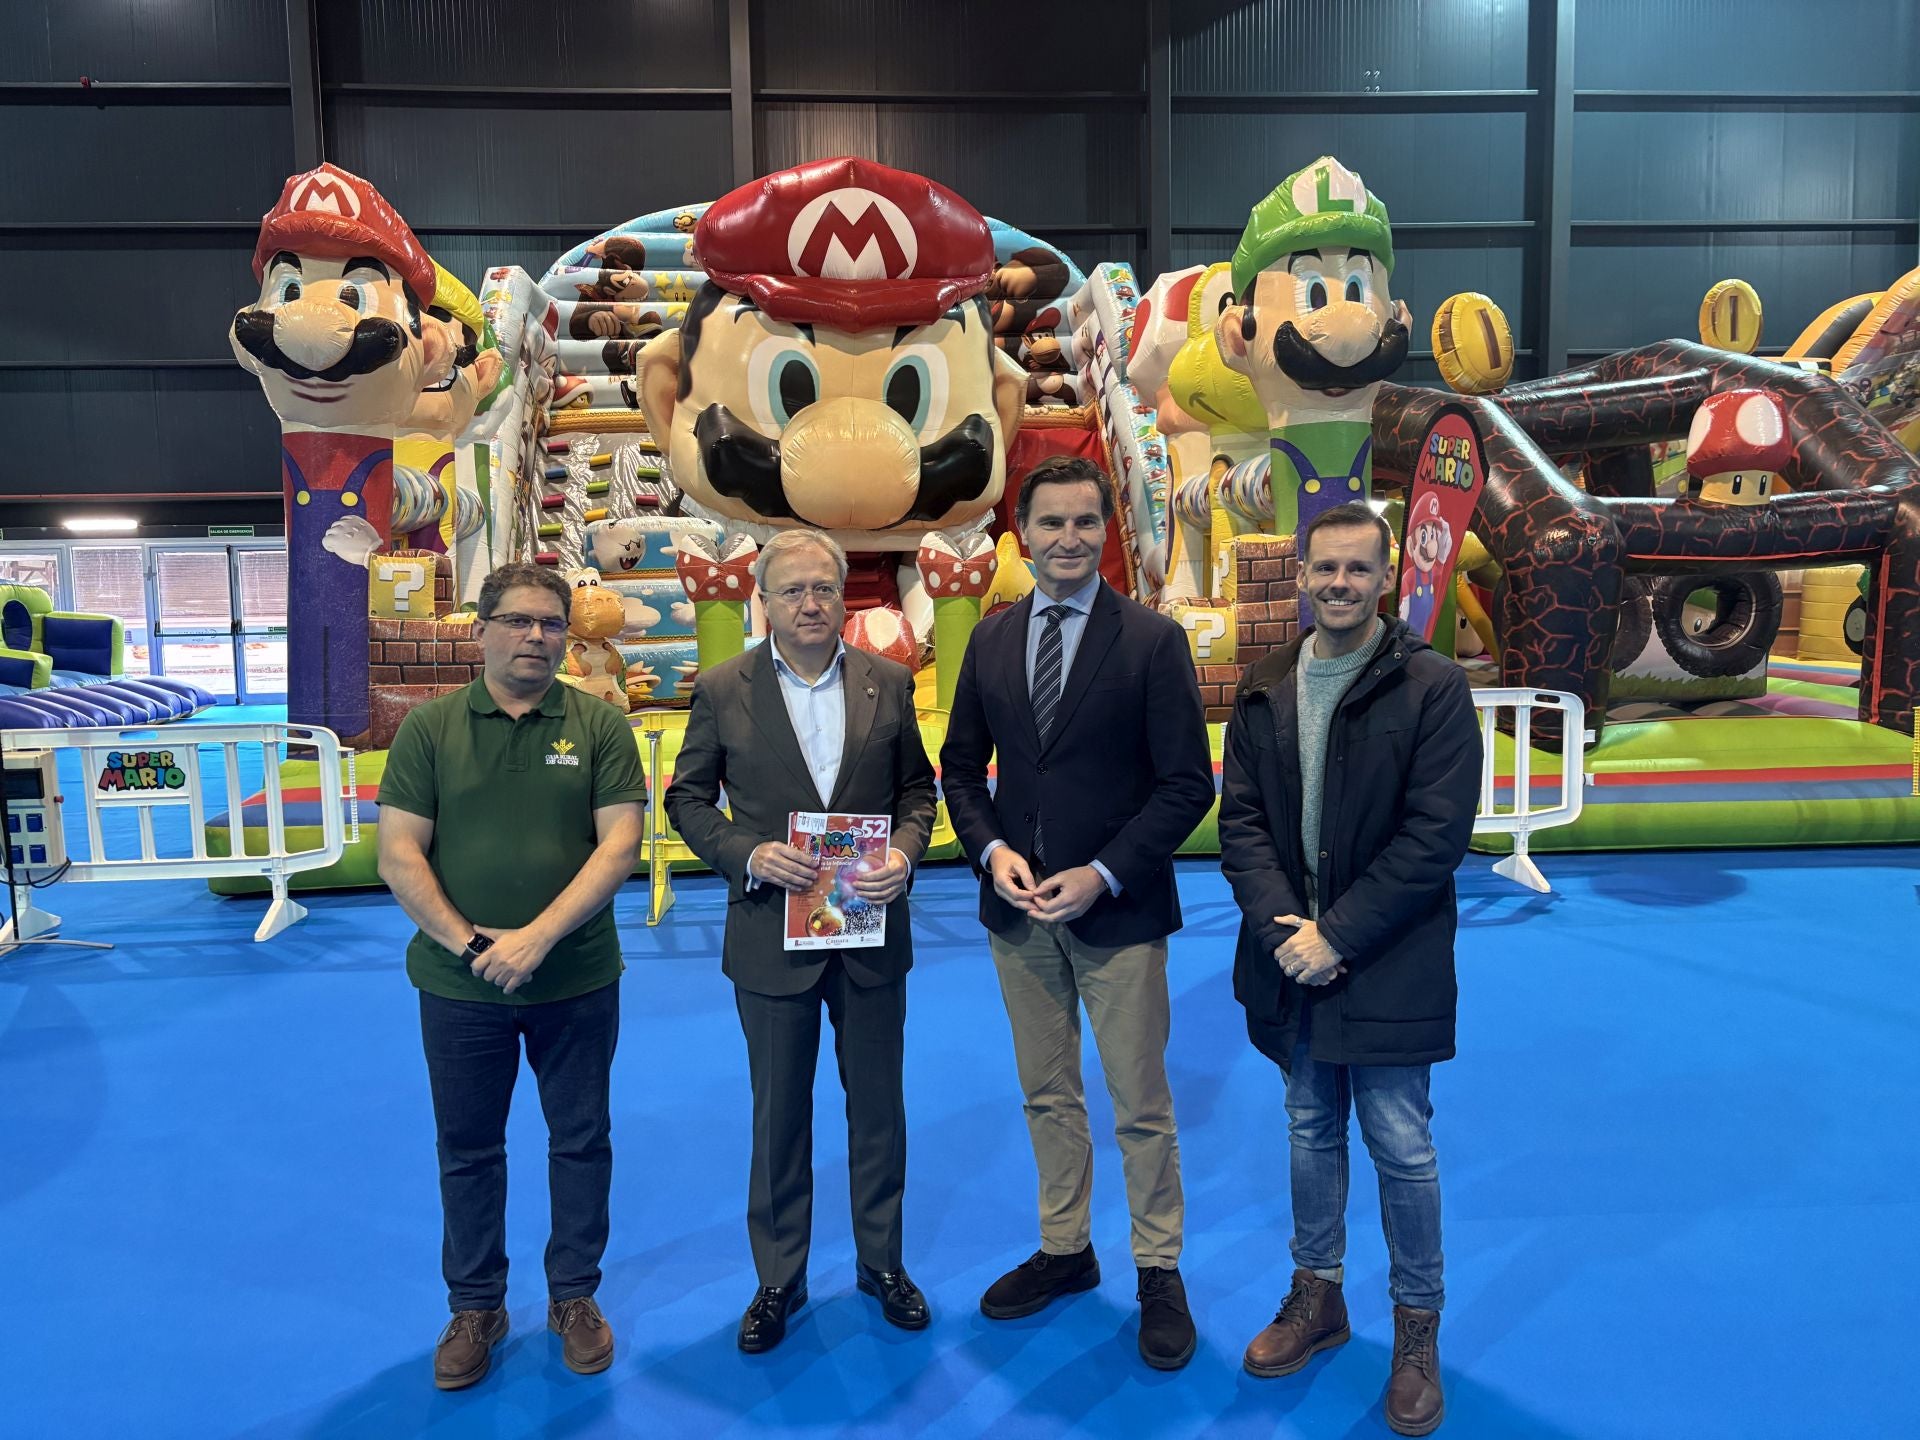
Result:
<point x="802" y="723"/>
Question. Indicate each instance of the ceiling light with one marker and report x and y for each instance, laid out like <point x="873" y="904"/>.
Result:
<point x="100" y="524"/>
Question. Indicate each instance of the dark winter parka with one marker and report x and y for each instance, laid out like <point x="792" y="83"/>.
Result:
<point x="1402" y="782"/>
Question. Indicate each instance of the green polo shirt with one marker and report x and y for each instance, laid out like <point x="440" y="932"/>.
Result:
<point x="512" y="805"/>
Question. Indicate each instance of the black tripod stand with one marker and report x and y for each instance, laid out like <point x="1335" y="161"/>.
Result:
<point x="27" y="924"/>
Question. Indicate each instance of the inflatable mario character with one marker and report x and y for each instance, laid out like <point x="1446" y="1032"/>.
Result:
<point x="1316" y="331"/>
<point x="1736" y="448"/>
<point x="838" y="371"/>
<point x="338" y="343"/>
<point x="1429" y="545"/>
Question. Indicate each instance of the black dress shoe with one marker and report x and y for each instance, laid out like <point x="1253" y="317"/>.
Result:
<point x="1166" y="1328"/>
<point x="900" y="1299"/>
<point x="765" y="1323"/>
<point x="1037" y="1282"/>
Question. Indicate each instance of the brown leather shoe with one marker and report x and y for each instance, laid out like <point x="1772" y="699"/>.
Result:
<point x="587" y="1338"/>
<point x="465" y="1348"/>
<point x="1414" y="1403"/>
<point x="1314" y="1318"/>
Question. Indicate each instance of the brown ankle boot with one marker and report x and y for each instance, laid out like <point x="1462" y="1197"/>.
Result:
<point x="465" y="1348"/>
<point x="1414" y="1403"/>
<point x="1314" y="1318"/>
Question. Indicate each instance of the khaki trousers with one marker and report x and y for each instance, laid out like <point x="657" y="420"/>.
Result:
<point x="1045" y="975"/>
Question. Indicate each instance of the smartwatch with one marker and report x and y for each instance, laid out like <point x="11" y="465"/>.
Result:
<point x="478" y="944"/>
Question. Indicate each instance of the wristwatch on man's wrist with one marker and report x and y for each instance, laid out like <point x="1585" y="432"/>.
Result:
<point x="478" y="944"/>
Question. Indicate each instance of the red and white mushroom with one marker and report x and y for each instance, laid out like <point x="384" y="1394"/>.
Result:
<point x="1737" y="447"/>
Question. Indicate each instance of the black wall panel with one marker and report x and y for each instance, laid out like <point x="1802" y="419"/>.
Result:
<point x="1747" y="45"/>
<point x="1424" y="168"/>
<point x="191" y="161"/>
<point x="890" y="45"/>
<point x="554" y="43"/>
<point x="1320" y="45"/>
<point x="105" y="432"/>
<point x="108" y="40"/>
<point x="468" y="164"/>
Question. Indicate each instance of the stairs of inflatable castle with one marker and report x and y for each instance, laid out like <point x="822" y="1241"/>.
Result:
<point x="60" y="670"/>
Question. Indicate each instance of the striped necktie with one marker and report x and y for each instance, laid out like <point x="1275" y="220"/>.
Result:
<point x="1046" y="671"/>
<point x="1047" y="668"/>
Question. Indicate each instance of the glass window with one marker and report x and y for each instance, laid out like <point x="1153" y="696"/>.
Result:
<point x="27" y="567"/>
<point x="263" y="588"/>
<point x="194" y="593"/>
<point x="207" y="663"/>
<point x="266" y="660"/>
<point x="111" y="580"/>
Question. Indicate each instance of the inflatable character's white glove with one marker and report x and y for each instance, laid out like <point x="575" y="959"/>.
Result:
<point x="352" y="539"/>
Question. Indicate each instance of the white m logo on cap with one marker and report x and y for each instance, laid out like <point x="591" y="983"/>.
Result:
<point x="325" y="194"/>
<point x="852" y="234"/>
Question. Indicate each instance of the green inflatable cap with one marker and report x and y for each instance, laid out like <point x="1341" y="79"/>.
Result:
<point x="1320" y="204"/>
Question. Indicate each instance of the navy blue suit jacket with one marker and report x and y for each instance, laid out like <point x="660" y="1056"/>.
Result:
<point x="1124" y="778"/>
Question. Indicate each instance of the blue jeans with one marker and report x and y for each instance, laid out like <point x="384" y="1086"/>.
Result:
<point x="473" y="1058"/>
<point x="1394" y="1114"/>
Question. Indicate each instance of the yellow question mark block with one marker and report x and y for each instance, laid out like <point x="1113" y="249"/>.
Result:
<point x="400" y="587"/>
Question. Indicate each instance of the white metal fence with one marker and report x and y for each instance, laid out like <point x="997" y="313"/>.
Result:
<point x="1520" y="817"/>
<point x="178" y="785"/>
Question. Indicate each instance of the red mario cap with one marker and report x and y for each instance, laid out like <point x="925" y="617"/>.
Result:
<point x="847" y="243"/>
<point x="335" y="214"/>
<point x="1426" y="508"/>
<point x="1738" y="430"/>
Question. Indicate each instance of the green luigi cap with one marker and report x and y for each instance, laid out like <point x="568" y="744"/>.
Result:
<point x="1320" y="204"/>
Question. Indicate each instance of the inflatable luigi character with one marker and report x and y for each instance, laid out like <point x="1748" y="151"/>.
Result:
<point x="1316" y="330"/>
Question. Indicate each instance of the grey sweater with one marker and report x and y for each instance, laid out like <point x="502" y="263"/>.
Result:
<point x="1322" y="684"/>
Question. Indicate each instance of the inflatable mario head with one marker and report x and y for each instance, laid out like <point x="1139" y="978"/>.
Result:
<point x="1315" y="327"/>
<point x="1736" y="449"/>
<point x="1429" y="538"/>
<point x="336" y="336"/>
<point x="838" y="369"/>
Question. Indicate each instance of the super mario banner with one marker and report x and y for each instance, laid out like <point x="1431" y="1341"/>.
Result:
<point x="1446" y="486"/>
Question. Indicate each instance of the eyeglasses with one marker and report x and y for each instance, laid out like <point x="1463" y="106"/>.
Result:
<point x="796" y="595"/>
<point x="526" y="624"/>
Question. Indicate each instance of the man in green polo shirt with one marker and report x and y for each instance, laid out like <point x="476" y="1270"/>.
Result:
<point x="509" y="815"/>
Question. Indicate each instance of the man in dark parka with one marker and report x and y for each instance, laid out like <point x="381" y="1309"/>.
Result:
<point x="1351" y="776"/>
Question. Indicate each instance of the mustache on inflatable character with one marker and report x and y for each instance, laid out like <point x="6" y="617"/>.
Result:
<point x="376" y="342"/>
<point x="1301" y="363"/>
<point x="744" y="465"/>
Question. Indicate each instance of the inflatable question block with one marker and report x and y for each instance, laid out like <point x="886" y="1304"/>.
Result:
<point x="400" y="585"/>
<point x="1209" y="630"/>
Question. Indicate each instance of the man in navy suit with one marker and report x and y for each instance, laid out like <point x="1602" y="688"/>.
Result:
<point x="1103" y="770"/>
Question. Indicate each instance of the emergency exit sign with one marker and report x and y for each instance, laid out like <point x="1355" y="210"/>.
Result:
<point x="243" y="532"/>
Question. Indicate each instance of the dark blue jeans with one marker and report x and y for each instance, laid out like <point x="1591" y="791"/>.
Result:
<point x="1394" y="1115"/>
<point x="473" y="1058"/>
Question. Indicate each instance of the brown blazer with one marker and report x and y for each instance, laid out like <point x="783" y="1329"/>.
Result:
<point x="739" y="737"/>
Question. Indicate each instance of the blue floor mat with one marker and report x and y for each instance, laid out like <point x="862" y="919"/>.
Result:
<point x="1677" y="1154"/>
